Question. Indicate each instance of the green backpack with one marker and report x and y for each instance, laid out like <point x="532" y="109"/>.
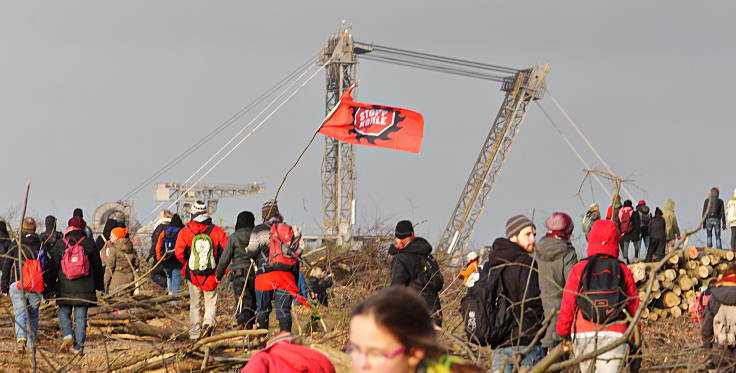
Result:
<point x="202" y="255"/>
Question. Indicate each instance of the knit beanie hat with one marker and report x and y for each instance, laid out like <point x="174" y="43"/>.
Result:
<point x="78" y="212"/>
<point x="119" y="232"/>
<point x="560" y="224"/>
<point x="269" y="210"/>
<point x="404" y="229"/>
<point x="198" y="208"/>
<point x="77" y="222"/>
<point x="28" y="225"/>
<point x="516" y="224"/>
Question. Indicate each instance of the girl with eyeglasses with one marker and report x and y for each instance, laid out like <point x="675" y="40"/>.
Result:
<point x="392" y="332"/>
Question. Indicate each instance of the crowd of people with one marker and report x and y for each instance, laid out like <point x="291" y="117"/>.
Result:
<point x="540" y="283"/>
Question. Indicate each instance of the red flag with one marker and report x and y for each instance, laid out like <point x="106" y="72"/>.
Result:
<point x="374" y="125"/>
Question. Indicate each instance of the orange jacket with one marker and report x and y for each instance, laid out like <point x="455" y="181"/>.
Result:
<point x="472" y="267"/>
<point x="182" y="251"/>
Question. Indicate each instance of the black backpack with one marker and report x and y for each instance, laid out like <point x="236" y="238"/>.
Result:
<point x="601" y="296"/>
<point x="645" y="218"/>
<point x="429" y="278"/>
<point x="487" y="313"/>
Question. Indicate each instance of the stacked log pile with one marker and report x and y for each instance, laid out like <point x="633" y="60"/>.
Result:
<point x="678" y="282"/>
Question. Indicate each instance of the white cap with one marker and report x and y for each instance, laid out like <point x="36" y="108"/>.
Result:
<point x="198" y="207"/>
<point x="472" y="256"/>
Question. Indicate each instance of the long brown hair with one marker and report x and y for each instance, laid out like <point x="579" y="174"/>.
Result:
<point x="405" y="315"/>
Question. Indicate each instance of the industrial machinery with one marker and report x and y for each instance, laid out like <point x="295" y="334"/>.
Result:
<point x="211" y="194"/>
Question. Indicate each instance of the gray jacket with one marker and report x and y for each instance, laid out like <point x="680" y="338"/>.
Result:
<point x="235" y="252"/>
<point x="555" y="259"/>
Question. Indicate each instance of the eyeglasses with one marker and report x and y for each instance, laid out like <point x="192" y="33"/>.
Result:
<point x="372" y="356"/>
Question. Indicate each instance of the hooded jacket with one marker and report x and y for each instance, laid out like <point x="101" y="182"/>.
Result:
<point x="80" y="291"/>
<point x="555" y="259"/>
<point x="716" y="210"/>
<point x="121" y="264"/>
<point x="158" y="228"/>
<point x="172" y="262"/>
<point x="673" y="230"/>
<point x="723" y="293"/>
<point x="645" y="216"/>
<point x="30" y="244"/>
<point x="408" y="265"/>
<point x="522" y="287"/>
<point x="183" y="247"/>
<point x="102" y="239"/>
<point x="658" y="226"/>
<point x="569" y="312"/>
<point x="235" y="250"/>
<point x="731" y="210"/>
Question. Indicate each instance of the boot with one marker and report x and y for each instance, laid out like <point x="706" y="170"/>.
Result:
<point x="285" y="325"/>
<point x="262" y="322"/>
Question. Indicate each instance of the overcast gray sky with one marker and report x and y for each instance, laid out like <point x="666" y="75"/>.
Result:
<point x="97" y="95"/>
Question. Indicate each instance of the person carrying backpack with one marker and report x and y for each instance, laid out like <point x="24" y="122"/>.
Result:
<point x="719" y="322"/>
<point x="645" y="215"/>
<point x="590" y="217"/>
<point x="25" y="295"/>
<point x="198" y="248"/>
<point x="715" y="217"/>
<point x="275" y="247"/>
<point x="415" y="267"/>
<point x="658" y="237"/>
<point x="512" y="256"/>
<point x="242" y="270"/>
<point x="731" y="219"/>
<point x="556" y="257"/>
<point x="76" y="274"/>
<point x="158" y="274"/>
<point x="598" y="292"/>
<point x="629" y="225"/>
<point x="121" y="264"/>
<point x="165" y="252"/>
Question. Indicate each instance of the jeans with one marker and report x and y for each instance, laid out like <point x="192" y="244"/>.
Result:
<point x="712" y="224"/>
<point x="210" y="309"/>
<point x="283" y="308"/>
<point x="625" y="249"/>
<point x="21" y="301"/>
<point x="502" y="358"/>
<point x="173" y="280"/>
<point x="80" y="324"/>
<point x="607" y="362"/>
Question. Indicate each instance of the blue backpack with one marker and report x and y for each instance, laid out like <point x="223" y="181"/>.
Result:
<point x="168" y="242"/>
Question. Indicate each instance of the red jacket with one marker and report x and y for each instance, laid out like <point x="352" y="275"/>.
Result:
<point x="602" y="239"/>
<point x="284" y="357"/>
<point x="182" y="250"/>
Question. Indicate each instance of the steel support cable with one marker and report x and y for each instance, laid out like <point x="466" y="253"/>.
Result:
<point x="582" y="135"/>
<point x="217" y="130"/>
<point x="569" y="145"/>
<point x="442" y="69"/>
<point x="435" y="57"/>
<point x="250" y="133"/>
<point x="233" y="138"/>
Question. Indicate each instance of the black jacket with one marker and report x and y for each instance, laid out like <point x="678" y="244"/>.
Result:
<point x="154" y="237"/>
<point x="522" y="286"/>
<point x="318" y="287"/>
<point x="408" y="265"/>
<point x="80" y="291"/>
<point x="657" y="227"/>
<point x="716" y="211"/>
<point x="30" y="245"/>
<point x="720" y="296"/>
<point x="5" y="242"/>
<point x="235" y="252"/>
<point x="645" y="216"/>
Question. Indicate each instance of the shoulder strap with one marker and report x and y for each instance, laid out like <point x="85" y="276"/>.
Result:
<point x="209" y="229"/>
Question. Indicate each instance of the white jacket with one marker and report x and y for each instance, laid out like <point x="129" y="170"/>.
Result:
<point x="731" y="211"/>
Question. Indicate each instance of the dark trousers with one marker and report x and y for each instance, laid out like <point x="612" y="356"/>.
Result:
<point x="283" y="308"/>
<point x="433" y="302"/>
<point x="656" y="249"/>
<point x="247" y="313"/>
<point x="157" y="275"/>
<point x="733" y="238"/>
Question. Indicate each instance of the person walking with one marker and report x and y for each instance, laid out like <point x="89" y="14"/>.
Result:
<point x="731" y="219"/>
<point x="658" y="235"/>
<point x="672" y="228"/>
<point x="515" y="253"/>
<point x="242" y="270"/>
<point x="415" y="267"/>
<point x="715" y="217"/>
<point x="166" y="254"/>
<point x="392" y="332"/>
<point x="629" y="225"/>
<point x="76" y="274"/>
<point x="158" y="274"/>
<point x="583" y="318"/>
<point x="198" y="247"/>
<point x="26" y="295"/>
<point x="275" y="278"/>
<point x="122" y="263"/>
<point x="591" y="216"/>
<point x="556" y="257"/>
<point x="645" y="215"/>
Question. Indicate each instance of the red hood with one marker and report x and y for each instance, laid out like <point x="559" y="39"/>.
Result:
<point x="603" y="238"/>
<point x="198" y="228"/>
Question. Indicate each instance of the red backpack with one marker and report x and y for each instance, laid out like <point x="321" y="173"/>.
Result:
<point x="284" y="249"/>
<point x="624" y="219"/>
<point x="75" y="263"/>
<point x="32" y="276"/>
